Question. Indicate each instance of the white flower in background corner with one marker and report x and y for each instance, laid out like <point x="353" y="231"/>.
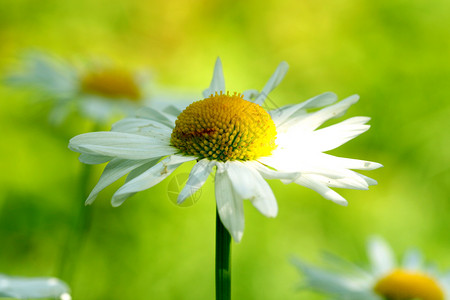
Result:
<point x="384" y="280"/>
<point x="245" y="143"/>
<point x="29" y="287"/>
<point x="98" y="91"/>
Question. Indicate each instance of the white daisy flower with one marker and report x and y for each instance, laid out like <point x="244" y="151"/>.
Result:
<point x="232" y="134"/>
<point x="33" y="287"/>
<point x="98" y="91"/>
<point x="384" y="280"/>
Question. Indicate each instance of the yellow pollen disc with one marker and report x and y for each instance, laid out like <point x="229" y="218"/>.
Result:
<point x="407" y="285"/>
<point x="111" y="83"/>
<point x="224" y="127"/>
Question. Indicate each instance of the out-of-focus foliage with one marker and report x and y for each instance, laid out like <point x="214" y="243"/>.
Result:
<point x="393" y="53"/>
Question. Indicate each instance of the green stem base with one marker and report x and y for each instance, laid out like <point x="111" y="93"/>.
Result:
<point x="223" y="261"/>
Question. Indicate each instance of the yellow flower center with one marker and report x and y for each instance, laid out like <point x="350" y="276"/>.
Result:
<point x="111" y="83"/>
<point x="408" y="285"/>
<point x="224" y="127"/>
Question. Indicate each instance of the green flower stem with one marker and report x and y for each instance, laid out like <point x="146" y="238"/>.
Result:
<point x="75" y="238"/>
<point x="223" y="261"/>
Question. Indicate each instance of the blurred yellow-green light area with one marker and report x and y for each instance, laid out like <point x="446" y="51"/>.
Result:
<point x="394" y="54"/>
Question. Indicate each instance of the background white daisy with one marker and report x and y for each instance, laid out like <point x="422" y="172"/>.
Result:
<point x="98" y="92"/>
<point x="385" y="278"/>
<point x="15" y="287"/>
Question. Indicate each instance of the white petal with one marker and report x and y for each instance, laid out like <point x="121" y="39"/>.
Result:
<point x="149" y="178"/>
<point x="369" y="180"/>
<point x="93" y="159"/>
<point x="282" y="114"/>
<point x="120" y="145"/>
<point x="338" y="285"/>
<point x="46" y="74"/>
<point x="156" y="115"/>
<point x="413" y="260"/>
<point x="218" y="82"/>
<point x="314" y="120"/>
<point x="145" y="127"/>
<point x="114" y="171"/>
<point x="175" y="110"/>
<point x="334" y="136"/>
<point x="250" y="94"/>
<point x="328" y="167"/>
<point x="136" y="125"/>
<point x="332" y="172"/>
<point x="139" y="170"/>
<point x="355" y="182"/>
<point x="65" y="296"/>
<point x="100" y="109"/>
<point x="38" y="287"/>
<point x="311" y="164"/>
<point x="319" y="171"/>
<point x="347" y="266"/>
<point x="348" y="163"/>
<point x="133" y="152"/>
<point x="381" y="256"/>
<point x="229" y="204"/>
<point x="347" y="183"/>
<point x="273" y="82"/>
<point x="444" y="282"/>
<point x="273" y="174"/>
<point x="197" y="177"/>
<point x="322" y="189"/>
<point x="135" y="173"/>
<point x="249" y="184"/>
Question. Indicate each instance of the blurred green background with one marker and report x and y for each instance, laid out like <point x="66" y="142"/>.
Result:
<point x="394" y="54"/>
